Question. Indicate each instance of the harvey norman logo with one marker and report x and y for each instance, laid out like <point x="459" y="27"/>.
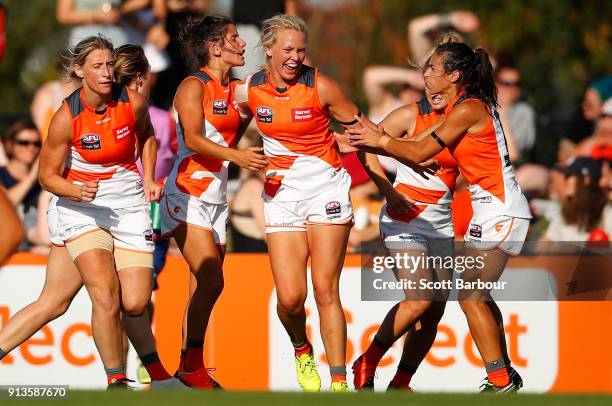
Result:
<point x="301" y="114"/>
<point x="121" y="133"/>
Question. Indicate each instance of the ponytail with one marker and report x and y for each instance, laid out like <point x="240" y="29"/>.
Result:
<point x="475" y="68"/>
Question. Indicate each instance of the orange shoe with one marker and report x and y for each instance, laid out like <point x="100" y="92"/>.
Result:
<point x="363" y="375"/>
<point x="198" y="379"/>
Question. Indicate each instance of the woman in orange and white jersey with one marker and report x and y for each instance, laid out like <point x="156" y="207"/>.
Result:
<point x="88" y="161"/>
<point x="194" y="206"/>
<point x="306" y="193"/>
<point x="416" y="221"/>
<point x="63" y="281"/>
<point x="475" y="138"/>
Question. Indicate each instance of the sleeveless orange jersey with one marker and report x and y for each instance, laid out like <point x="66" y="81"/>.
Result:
<point x="104" y="148"/>
<point x="484" y="161"/>
<point x="301" y="150"/>
<point x="434" y="194"/>
<point x="203" y="176"/>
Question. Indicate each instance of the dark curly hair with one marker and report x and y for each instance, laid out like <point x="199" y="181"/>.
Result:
<point x="198" y="34"/>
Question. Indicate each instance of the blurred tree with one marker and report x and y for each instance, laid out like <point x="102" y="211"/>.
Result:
<point x="34" y="39"/>
<point x="559" y="45"/>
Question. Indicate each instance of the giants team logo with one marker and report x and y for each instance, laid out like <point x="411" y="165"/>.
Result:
<point x="301" y="114"/>
<point x="90" y="141"/>
<point x="475" y="231"/>
<point x="121" y="133"/>
<point x="219" y="107"/>
<point x="333" y="207"/>
<point x="264" y="114"/>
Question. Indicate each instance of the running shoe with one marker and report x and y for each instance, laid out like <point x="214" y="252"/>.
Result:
<point x="515" y="384"/>
<point x="307" y="374"/>
<point x="363" y="374"/>
<point x="198" y="379"/>
<point x="340" y="386"/>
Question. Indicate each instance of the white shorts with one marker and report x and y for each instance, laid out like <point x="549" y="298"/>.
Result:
<point x="503" y="232"/>
<point x="53" y="223"/>
<point x="178" y="208"/>
<point x="330" y="207"/>
<point x="130" y="227"/>
<point x="399" y="235"/>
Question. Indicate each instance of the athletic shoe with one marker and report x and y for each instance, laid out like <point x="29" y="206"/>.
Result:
<point x="121" y="384"/>
<point x="142" y="375"/>
<point x="363" y="374"/>
<point x="516" y="383"/>
<point x="393" y="388"/>
<point x="198" y="379"/>
<point x="170" y="383"/>
<point x="307" y="374"/>
<point x="340" y="386"/>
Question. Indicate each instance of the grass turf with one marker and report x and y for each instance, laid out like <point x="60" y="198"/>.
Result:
<point x="186" y="397"/>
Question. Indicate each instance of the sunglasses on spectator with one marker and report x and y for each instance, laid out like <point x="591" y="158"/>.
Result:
<point x="25" y="143"/>
<point x="509" y="83"/>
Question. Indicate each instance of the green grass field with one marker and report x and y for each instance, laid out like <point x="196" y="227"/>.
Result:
<point x="187" y="397"/>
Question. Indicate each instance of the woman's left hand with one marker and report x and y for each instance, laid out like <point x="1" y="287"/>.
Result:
<point x="152" y="191"/>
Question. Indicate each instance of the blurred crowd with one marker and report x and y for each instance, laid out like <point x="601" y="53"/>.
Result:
<point x="571" y="201"/>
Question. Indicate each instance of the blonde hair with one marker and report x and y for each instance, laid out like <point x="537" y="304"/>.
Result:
<point x="78" y="54"/>
<point x="273" y="25"/>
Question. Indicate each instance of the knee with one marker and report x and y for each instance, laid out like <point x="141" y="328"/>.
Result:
<point x="416" y="307"/>
<point x="210" y="284"/>
<point x="135" y="306"/>
<point x="106" y="302"/>
<point x="54" y="308"/>
<point x="291" y="304"/>
<point x="326" y="295"/>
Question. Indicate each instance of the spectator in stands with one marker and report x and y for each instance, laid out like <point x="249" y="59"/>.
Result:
<point x="423" y="30"/>
<point x="90" y="17"/>
<point x="582" y="125"/>
<point x="584" y="205"/>
<point x="517" y="117"/>
<point x="599" y="145"/>
<point x="378" y="83"/>
<point x="48" y="98"/>
<point x="20" y="175"/>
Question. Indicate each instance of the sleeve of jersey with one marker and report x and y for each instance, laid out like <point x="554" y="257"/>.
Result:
<point x="241" y="97"/>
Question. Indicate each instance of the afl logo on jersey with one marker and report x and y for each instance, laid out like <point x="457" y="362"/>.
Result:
<point x="219" y="107"/>
<point x="475" y="231"/>
<point x="90" y="141"/>
<point x="333" y="207"/>
<point x="264" y="114"/>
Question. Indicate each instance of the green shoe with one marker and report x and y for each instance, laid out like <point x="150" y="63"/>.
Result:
<point x="142" y="374"/>
<point x="307" y="374"/>
<point x="340" y="386"/>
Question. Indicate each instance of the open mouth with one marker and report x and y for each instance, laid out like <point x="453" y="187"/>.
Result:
<point x="291" y="67"/>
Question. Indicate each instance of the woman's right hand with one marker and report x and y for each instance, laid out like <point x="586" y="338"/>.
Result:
<point x="398" y="202"/>
<point x="86" y="192"/>
<point x="251" y="158"/>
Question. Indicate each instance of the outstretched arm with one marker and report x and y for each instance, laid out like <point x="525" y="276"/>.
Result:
<point x="427" y="143"/>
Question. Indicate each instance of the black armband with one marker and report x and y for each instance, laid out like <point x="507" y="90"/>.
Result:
<point x="351" y="122"/>
<point x="438" y="140"/>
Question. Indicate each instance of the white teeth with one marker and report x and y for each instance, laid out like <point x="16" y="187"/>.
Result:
<point x="292" y="65"/>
